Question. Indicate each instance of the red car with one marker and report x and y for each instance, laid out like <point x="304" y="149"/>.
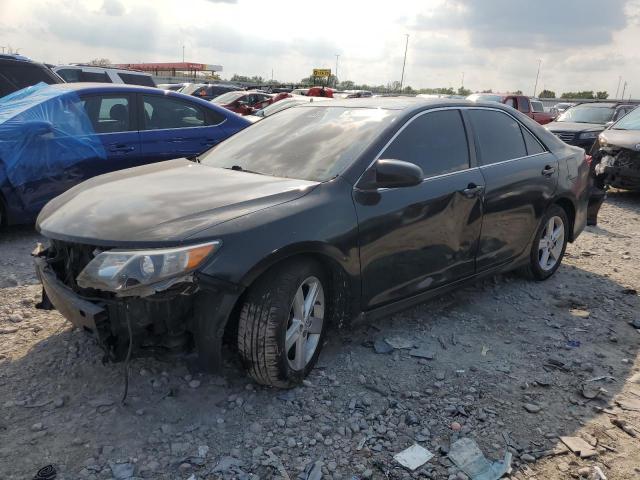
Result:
<point x="531" y="108"/>
<point x="314" y="92"/>
<point x="244" y="102"/>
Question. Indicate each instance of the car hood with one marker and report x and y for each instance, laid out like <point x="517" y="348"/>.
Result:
<point x="574" y="127"/>
<point x="161" y="204"/>
<point x="621" y="138"/>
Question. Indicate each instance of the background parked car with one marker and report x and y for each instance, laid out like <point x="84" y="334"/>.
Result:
<point x="54" y="137"/>
<point x="90" y="73"/>
<point x="283" y="104"/>
<point x="519" y="102"/>
<point x="18" y="72"/>
<point x="244" y="102"/>
<point x="321" y="91"/>
<point x="208" y="91"/>
<point x="560" y="108"/>
<point x="174" y="87"/>
<point x="580" y="125"/>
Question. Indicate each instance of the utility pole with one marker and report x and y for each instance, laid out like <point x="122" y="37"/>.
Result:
<point x="182" y="53"/>
<point x="462" y="83"/>
<point x="404" y="62"/>
<point x="618" y="89"/>
<point x="535" y="88"/>
<point x="272" y="74"/>
<point x="624" y="89"/>
<point x="336" y="74"/>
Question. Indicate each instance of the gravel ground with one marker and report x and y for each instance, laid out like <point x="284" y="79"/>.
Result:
<point x="510" y="363"/>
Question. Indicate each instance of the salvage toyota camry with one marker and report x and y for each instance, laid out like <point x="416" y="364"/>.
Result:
<point x="322" y="213"/>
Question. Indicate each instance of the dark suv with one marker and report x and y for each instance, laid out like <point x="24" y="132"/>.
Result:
<point x="18" y="72"/>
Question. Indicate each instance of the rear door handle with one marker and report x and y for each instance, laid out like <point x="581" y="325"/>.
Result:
<point x="548" y="171"/>
<point x="473" y="190"/>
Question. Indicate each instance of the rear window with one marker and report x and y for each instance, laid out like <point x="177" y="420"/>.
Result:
<point x="136" y="79"/>
<point x="498" y="135"/>
<point x="16" y="77"/>
<point x="538" y="107"/>
<point x="101" y="77"/>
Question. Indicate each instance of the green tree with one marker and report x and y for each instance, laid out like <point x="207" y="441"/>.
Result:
<point x="586" y="94"/>
<point x="602" y="95"/>
<point x="490" y="90"/>
<point x="100" y="62"/>
<point x="518" y="92"/>
<point x="465" y="92"/>
<point x="547" y="94"/>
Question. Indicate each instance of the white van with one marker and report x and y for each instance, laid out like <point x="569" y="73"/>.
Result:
<point x="89" y="73"/>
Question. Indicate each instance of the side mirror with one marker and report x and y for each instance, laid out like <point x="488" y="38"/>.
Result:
<point x="608" y="124"/>
<point x="39" y="127"/>
<point x="392" y="174"/>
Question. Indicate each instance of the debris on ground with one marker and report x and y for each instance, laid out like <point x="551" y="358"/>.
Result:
<point x="413" y="457"/>
<point x="467" y="456"/>
<point x="579" y="446"/>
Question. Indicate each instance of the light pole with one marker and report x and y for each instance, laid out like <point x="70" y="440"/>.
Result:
<point x="336" y="75"/>
<point x="462" y="83"/>
<point x="624" y="89"/>
<point x="618" y="89"/>
<point x="537" y="76"/>
<point x="404" y="62"/>
<point x="182" y="53"/>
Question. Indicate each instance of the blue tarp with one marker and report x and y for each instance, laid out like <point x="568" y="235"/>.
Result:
<point x="44" y="130"/>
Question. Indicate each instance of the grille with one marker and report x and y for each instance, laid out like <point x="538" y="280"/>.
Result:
<point x="565" y="136"/>
<point x="68" y="260"/>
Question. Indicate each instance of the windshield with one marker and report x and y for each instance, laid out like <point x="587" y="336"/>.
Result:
<point x="189" y="89"/>
<point x="631" y="121"/>
<point x="228" y="98"/>
<point x="306" y="143"/>
<point x="538" y="107"/>
<point x="477" y="97"/>
<point x="587" y="114"/>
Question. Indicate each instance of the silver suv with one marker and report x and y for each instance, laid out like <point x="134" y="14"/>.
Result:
<point x="90" y="73"/>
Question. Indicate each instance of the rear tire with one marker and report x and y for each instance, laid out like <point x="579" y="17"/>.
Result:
<point x="549" y="244"/>
<point x="282" y="323"/>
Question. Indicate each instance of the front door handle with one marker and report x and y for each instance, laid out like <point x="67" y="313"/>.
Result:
<point x="473" y="190"/>
<point x="548" y="171"/>
<point x="122" y="148"/>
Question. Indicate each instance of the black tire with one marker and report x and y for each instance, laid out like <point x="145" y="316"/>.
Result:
<point x="265" y="316"/>
<point x="534" y="269"/>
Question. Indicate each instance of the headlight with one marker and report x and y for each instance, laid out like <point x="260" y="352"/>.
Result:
<point x="589" y="135"/>
<point x="119" y="270"/>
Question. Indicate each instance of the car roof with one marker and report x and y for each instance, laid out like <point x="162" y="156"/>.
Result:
<point x="600" y="104"/>
<point x="399" y="103"/>
<point x="94" y="86"/>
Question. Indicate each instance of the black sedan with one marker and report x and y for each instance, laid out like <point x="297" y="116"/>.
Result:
<point x="323" y="212"/>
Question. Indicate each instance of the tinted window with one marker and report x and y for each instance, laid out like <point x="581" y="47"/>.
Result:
<point x="108" y="114"/>
<point x="21" y="76"/>
<point x="310" y="143"/>
<point x="71" y="75"/>
<point x="587" y="113"/>
<point x="533" y="145"/>
<point x="510" y="102"/>
<point x="538" y="107"/>
<point x="497" y="135"/>
<point x="101" y="77"/>
<point x="435" y="141"/>
<point x="523" y="105"/>
<point x="162" y="112"/>
<point x="135" y="79"/>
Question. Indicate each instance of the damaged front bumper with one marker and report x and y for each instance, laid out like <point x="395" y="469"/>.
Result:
<point x="619" y="168"/>
<point x="187" y="316"/>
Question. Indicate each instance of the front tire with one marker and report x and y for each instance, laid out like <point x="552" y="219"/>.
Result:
<point x="549" y="244"/>
<point x="282" y="323"/>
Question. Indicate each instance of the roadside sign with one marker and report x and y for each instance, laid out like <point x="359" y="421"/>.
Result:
<point x="322" y="72"/>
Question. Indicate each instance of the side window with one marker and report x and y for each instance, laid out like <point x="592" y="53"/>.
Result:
<point x="497" y="135"/>
<point x="523" y="104"/>
<point x="101" y="77"/>
<point x="435" y="141"/>
<point x="136" y="79"/>
<point x="511" y="102"/>
<point x="161" y="112"/>
<point x="108" y="114"/>
<point x="69" y="74"/>
<point x="533" y="145"/>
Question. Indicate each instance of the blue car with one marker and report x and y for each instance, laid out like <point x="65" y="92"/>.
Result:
<point x="53" y="137"/>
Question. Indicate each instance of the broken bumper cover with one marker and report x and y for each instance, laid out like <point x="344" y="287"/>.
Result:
<point x="620" y="171"/>
<point x="168" y="321"/>
<point x="80" y="312"/>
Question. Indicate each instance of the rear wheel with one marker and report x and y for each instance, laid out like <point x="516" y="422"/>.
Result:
<point x="549" y="244"/>
<point x="282" y="323"/>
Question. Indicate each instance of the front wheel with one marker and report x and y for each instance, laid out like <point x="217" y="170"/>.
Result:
<point x="549" y="244"/>
<point x="282" y="323"/>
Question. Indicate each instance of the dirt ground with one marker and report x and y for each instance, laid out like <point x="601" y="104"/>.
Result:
<point x="510" y="363"/>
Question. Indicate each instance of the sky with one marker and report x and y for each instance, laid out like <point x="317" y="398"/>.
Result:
<point x="497" y="44"/>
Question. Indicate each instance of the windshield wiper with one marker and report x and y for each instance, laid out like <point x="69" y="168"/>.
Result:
<point x="238" y="168"/>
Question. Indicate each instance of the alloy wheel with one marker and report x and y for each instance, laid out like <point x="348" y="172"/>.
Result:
<point x="551" y="244"/>
<point x="306" y="319"/>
